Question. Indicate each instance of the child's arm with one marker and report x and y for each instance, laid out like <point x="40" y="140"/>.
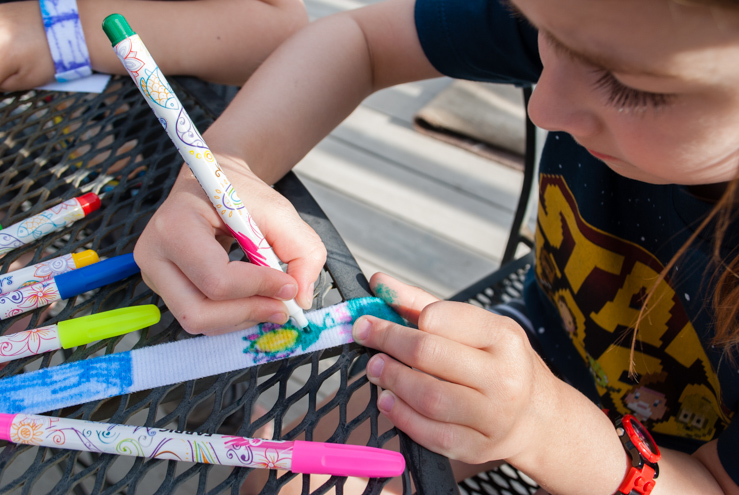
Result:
<point x="218" y="40"/>
<point x="308" y="86"/>
<point x="472" y="388"/>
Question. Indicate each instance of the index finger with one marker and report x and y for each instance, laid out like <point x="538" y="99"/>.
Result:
<point x="457" y="321"/>
<point x="433" y="354"/>
<point x="202" y="259"/>
<point x="407" y="300"/>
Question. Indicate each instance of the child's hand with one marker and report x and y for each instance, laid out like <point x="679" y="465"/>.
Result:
<point x="26" y="59"/>
<point x="476" y="391"/>
<point x="183" y="257"/>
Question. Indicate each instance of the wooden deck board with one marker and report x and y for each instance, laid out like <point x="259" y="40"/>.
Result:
<point x="422" y="210"/>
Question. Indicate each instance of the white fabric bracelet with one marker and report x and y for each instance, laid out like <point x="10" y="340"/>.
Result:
<point x="66" y="39"/>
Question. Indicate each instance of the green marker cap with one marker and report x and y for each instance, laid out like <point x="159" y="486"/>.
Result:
<point x="117" y="28"/>
<point x="80" y="331"/>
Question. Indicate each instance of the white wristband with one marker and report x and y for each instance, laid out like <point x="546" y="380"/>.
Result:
<point x="66" y="39"/>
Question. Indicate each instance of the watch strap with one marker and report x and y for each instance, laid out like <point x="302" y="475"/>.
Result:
<point x="638" y="481"/>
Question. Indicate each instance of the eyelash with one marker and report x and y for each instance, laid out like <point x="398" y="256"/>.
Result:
<point x="622" y="97"/>
<point x="619" y="95"/>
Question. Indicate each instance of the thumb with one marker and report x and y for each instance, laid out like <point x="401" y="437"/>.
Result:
<point x="406" y="299"/>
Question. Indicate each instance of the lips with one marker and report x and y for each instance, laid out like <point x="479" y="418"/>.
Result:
<point x="601" y="156"/>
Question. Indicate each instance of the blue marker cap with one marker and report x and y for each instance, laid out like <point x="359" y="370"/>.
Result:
<point x="95" y="275"/>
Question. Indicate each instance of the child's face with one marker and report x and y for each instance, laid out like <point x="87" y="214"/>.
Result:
<point x="651" y="87"/>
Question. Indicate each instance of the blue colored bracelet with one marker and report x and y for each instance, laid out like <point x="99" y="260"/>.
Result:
<point x="66" y="39"/>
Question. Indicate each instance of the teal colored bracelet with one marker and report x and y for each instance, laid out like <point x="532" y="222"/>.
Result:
<point x="66" y="39"/>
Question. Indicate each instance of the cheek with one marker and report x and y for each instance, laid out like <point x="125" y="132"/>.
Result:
<point x="673" y="146"/>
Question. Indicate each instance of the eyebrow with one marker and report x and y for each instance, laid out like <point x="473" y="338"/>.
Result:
<point x="598" y="60"/>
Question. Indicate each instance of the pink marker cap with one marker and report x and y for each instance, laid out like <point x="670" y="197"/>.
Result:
<point x="345" y="460"/>
<point x="5" y="421"/>
<point x="89" y="202"/>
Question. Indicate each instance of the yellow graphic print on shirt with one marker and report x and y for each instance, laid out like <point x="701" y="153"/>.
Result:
<point x="598" y="283"/>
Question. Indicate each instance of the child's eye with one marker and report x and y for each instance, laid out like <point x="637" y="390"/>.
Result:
<point x="624" y="97"/>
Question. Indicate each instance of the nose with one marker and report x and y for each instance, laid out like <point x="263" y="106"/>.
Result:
<point x="560" y="102"/>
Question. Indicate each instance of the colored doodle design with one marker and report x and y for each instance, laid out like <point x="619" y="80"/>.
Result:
<point x="39" y="225"/>
<point x="49" y="269"/>
<point x="154" y="85"/>
<point x="187" y="132"/>
<point x="142" y="441"/>
<point x="269" y="454"/>
<point x="26" y="431"/>
<point x="40" y="272"/>
<point x="271" y="341"/>
<point x="229" y="201"/>
<point x="33" y="341"/>
<point x="10" y="302"/>
<point x="127" y="54"/>
<point x="37" y="295"/>
<point x="9" y="242"/>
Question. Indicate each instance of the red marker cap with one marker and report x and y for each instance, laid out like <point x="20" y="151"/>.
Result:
<point x="89" y="202"/>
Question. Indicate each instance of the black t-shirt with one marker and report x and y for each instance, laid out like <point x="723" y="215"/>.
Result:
<point x="601" y="240"/>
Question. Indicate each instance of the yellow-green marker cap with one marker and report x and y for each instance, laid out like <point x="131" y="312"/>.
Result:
<point x="116" y="28"/>
<point x="87" y="257"/>
<point x="108" y="324"/>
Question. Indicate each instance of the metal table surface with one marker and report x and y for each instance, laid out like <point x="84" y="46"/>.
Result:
<point x="55" y="146"/>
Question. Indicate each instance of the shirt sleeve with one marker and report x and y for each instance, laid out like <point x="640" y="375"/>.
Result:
<point x="479" y="40"/>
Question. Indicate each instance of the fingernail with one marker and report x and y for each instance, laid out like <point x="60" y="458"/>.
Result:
<point x="361" y="330"/>
<point x="385" y="401"/>
<point x="374" y="367"/>
<point x="279" y="318"/>
<point x="287" y="292"/>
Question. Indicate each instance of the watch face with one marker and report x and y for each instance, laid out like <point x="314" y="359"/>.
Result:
<point x="641" y="438"/>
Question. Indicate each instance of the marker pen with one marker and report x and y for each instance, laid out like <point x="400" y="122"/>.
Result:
<point x="48" y="221"/>
<point x="67" y="285"/>
<point x="79" y="331"/>
<point x="46" y="270"/>
<point x="209" y="448"/>
<point x="184" y="135"/>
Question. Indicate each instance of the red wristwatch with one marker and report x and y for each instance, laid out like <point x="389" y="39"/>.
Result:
<point x="644" y="453"/>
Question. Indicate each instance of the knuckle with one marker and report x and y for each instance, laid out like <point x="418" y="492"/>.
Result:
<point x="318" y="253"/>
<point x="213" y="287"/>
<point x="403" y="420"/>
<point x="434" y="404"/>
<point x="427" y="349"/>
<point x="431" y="314"/>
<point x="447" y="439"/>
<point x="159" y="222"/>
<point x="191" y="322"/>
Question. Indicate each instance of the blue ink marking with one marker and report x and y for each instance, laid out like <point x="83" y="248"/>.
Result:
<point x="7" y="280"/>
<point x="65" y="385"/>
<point x="373" y="306"/>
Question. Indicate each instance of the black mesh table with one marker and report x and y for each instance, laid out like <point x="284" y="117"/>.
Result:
<point x="55" y="146"/>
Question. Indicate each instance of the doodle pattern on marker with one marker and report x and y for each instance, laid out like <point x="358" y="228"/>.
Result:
<point x="39" y="225"/>
<point x="155" y="443"/>
<point x="35" y="341"/>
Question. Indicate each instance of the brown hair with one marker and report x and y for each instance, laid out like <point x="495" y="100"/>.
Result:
<point x="726" y="295"/>
<point x="725" y="278"/>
